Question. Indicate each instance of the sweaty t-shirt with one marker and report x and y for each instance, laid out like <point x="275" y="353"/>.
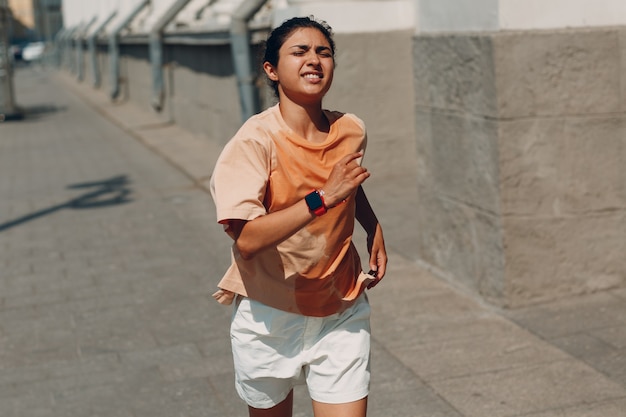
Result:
<point x="267" y="167"/>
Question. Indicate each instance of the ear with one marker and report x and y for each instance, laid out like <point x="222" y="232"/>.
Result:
<point x="270" y="71"/>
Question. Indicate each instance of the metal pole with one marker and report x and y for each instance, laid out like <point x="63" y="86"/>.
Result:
<point x="156" y="53"/>
<point x="92" y="42"/>
<point x="242" y="56"/>
<point x="114" y="48"/>
<point x="8" y="109"/>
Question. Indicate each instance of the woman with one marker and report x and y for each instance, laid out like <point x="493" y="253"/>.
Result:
<point x="287" y="188"/>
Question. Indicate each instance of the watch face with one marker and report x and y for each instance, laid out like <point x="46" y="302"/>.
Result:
<point x="314" y="201"/>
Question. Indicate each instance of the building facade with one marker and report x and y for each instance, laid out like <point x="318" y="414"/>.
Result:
<point x="35" y="20"/>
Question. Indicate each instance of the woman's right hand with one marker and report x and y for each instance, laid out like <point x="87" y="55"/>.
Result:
<point x="269" y="230"/>
<point x="344" y="179"/>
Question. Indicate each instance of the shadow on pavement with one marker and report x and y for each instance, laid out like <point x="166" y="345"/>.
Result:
<point x="31" y="112"/>
<point x="108" y="192"/>
<point x="38" y="111"/>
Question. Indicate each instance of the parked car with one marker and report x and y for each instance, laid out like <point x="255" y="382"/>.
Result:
<point x="33" y="51"/>
<point x="16" y="51"/>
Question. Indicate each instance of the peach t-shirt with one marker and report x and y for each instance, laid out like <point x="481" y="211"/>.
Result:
<point x="266" y="167"/>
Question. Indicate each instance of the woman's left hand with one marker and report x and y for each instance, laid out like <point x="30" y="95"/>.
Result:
<point x="378" y="254"/>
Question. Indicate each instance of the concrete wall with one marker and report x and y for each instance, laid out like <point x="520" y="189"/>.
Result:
<point x="373" y="79"/>
<point x="200" y="86"/>
<point x="205" y="97"/>
<point x="562" y="161"/>
<point x="522" y="151"/>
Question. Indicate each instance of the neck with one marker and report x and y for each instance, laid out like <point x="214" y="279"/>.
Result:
<point x="309" y="121"/>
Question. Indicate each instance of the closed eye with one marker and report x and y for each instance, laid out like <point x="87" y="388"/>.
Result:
<point x="324" y="51"/>
<point x="300" y="50"/>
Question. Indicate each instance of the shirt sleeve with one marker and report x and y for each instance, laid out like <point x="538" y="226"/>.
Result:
<point x="240" y="178"/>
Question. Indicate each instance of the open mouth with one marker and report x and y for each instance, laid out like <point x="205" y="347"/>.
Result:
<point x="313" y="76"/>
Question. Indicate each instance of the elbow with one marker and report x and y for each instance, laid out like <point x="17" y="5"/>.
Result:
<point x="246" y="256"/>
<point x="246" y="251"/>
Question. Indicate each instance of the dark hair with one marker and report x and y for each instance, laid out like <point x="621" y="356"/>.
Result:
<point x="279" y="35"/>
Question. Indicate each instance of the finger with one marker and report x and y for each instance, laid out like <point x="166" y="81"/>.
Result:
<point x="350" y="157"/>
<point x="356" y="170"/>
<point x="353" y="164"/>
<point x="382" y="262"/>
<point x="382" y="269"/>
<point x="360" y="179"/>
<point x="378" y="263"/>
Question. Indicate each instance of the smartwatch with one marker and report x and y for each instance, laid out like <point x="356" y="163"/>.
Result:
<point x="315" y="201"/>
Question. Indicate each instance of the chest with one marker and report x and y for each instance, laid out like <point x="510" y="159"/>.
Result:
<point x="296" y="169"/>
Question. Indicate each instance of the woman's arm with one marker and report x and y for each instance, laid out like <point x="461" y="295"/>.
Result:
<point x="271" y="229"/>
<point x="375" y="241"/>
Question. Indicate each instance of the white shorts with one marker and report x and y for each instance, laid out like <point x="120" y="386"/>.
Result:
<point x="274" y="350"/>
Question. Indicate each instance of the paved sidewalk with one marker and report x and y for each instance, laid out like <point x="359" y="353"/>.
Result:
<point x="109" y="249"/>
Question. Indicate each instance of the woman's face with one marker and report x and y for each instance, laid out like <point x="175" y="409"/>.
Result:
<point x="305" y="66"/>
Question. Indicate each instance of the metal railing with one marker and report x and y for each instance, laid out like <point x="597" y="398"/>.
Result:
<point x="237" y="34"/>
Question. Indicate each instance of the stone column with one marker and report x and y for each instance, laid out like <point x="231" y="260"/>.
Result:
<point x="352" y="16"/>
<point x="8" y="108"/>
<point x="522" y="149"/>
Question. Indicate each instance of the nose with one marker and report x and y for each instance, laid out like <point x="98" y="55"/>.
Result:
<point x="313" y="58"/>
